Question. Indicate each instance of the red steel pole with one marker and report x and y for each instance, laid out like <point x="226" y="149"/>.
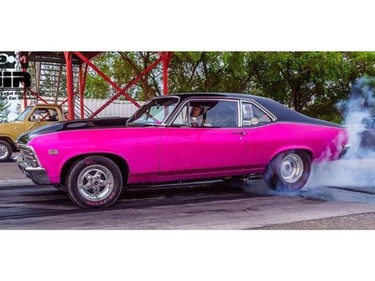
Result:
<point x="69" y="84"/>
<point x="82" y="84"/>
<point x="24" y="61"/>
<point x="38" y="96"/>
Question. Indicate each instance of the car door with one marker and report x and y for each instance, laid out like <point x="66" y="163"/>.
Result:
<point x="257" y="124"/>
<point x="203" y="146"/>
<point x="15" y="129"/>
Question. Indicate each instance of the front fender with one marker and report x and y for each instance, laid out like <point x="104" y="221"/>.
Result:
<point x="58" y="165"/>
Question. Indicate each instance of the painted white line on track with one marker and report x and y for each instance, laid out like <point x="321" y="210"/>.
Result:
<point x="15" y="182"/>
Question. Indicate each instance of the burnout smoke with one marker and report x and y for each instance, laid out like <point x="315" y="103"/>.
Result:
<point x="356" y="168"/>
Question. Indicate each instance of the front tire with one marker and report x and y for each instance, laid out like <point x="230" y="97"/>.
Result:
<point x="288" y="171"/>
<point x="94" y="182"/>
<point x="5" y="151"/>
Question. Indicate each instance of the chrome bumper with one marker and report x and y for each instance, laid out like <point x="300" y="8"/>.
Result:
<point x="37" y="174"/>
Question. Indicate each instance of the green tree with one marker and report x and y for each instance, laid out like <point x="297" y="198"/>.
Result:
<point x="209" y="72"/>
<point x="3" y="108"/>
<point x="309" y="82"/>
<point x="96" y="86"/>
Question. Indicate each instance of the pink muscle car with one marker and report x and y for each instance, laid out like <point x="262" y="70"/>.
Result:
<point x="177" y="138"/>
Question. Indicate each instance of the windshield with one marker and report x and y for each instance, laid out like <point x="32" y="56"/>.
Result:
<point x="154" y="112"/>
<point x="23" y="115"/>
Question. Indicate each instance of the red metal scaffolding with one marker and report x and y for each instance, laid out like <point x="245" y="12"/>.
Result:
<point x="83" y="60"/>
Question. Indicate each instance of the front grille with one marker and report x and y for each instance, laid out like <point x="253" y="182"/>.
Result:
<point x="28" y="156"/>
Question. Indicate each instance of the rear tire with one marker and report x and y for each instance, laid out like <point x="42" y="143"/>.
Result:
<point x="5" y="151"/>
<point x="288" y="171"/>
<point x="94" y="182"/>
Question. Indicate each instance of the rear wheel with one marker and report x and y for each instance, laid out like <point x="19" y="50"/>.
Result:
<point x="94" y="182"/>
<point x="288" y="171"/>
<point x="5" y="151"/>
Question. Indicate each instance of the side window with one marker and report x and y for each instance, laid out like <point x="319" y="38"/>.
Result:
<point x="36" y="116"/>
<point x="253" y="116"/>
<point x="208" y="113"/>
<point x="44" y="115"/>
<point x="51" y="115"/>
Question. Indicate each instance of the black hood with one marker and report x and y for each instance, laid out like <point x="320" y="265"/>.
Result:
<point x="72" y="125"/>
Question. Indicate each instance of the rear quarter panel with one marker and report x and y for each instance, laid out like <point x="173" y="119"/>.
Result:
<point x="265" y="142"/>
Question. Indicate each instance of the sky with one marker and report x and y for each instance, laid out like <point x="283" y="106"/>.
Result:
<point x="196" y="25"/>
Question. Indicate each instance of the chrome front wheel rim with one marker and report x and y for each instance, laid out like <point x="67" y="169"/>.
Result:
<point x="4" y="152"/>
<point x="95" y="183"/>
<point x="291" y="168"/>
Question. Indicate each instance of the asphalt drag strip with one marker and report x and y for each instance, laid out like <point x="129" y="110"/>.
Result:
<point x="199" y="205"/>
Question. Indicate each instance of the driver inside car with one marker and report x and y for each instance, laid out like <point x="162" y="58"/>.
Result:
<point x="197" y="116"/>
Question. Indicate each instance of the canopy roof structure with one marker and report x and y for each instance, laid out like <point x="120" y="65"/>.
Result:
<point x="76" y="66"/>
<point x="57" y="57"/>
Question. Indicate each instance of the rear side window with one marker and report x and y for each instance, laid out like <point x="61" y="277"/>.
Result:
<point x="253" y="116"/>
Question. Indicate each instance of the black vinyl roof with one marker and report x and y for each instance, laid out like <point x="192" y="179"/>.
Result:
<point x="281" y="112"/>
